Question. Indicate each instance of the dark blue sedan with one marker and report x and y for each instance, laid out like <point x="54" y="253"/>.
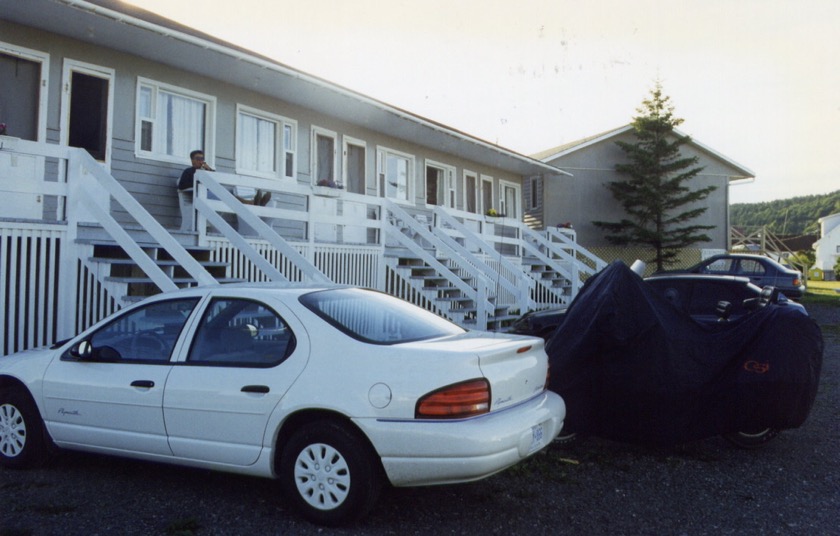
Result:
<point x="762" y="271"/>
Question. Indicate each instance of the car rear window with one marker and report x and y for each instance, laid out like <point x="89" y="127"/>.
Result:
<point x="377" y="318"/>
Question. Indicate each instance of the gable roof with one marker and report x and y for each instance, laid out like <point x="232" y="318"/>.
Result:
<point x="132" y="30"/>
<point x="563" y="150"/>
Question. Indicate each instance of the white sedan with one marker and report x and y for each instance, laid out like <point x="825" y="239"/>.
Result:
<point x="330" y="390"/>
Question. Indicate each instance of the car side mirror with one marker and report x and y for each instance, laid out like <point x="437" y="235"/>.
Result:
<point x="82" y="350"/>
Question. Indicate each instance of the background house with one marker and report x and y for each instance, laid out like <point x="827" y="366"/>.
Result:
<point x="584" y="197"/>
<point x="828" y="246"/>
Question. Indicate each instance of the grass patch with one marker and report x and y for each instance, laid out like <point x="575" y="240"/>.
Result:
<point x="822" y="292"/>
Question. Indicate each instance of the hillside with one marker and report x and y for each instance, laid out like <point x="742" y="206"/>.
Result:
<point x="794" y="216"/>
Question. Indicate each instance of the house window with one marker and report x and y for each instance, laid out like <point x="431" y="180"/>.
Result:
<point x="355" y="164"/>
<point x="533" y="192"/>
<point x="486" y="193"/>
<point x="172" y="121"/>
<point x="509" y="199"/>
<point x="323" y="157"/>
<point x="395" y="171"/>
<point x="470" y="192"/>
<point x="264" y="144"/>
<point x="290" y="149"/>
<point x="440" y="189"/>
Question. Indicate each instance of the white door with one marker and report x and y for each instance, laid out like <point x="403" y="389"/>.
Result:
<point x="244" y="358"/>
<point x="23" y="111"/>
<point x="112" y="396"/>
<point x="87" y="102"/>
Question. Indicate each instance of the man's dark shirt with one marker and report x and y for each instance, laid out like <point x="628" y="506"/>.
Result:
<point x="187" y="179"/>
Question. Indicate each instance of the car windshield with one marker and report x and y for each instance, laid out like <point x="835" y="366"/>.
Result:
<point x="375" y="317"/>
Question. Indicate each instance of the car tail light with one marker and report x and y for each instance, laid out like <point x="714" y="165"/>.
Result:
<point x="796" y="282"/>
<point x="465" y="399"/>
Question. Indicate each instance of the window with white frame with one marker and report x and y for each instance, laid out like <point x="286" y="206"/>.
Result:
<point x="509" y="196"/>
<point x="486" y="193"/>
<point x="265" y="144"/>
<point x="395" y="171"/>
<point x="354" y="165"/>
<point x="470" y="192"/>
<point x="440" y="184"/>
<point x="324" y="157"/>
<point x="172" y="121"/>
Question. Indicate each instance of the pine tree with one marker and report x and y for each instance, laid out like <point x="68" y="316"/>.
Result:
<point x="656" y="189"/>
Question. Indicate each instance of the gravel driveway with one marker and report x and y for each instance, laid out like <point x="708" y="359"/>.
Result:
<point x="790" y="487"/>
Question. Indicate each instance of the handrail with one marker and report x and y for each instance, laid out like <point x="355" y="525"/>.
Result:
<point x="598" y="264"/>
<point x="522" y="290"/>
<point x="81" y="159"/>
<point x="479" y="294"/>
<point x="205" y="181"/>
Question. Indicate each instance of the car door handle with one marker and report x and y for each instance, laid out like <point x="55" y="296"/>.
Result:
<point x="148" y="384"/>
<point x="255" y="389"/>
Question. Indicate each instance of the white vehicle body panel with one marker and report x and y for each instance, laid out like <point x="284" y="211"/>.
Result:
<point x="199" y="416"/>
<point x="113" y="405"/>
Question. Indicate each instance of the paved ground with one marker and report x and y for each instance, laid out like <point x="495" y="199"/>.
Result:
<point x="791" y="487"/>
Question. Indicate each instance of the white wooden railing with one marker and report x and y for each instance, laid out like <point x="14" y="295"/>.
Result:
<point x="512" y="287"/>
<point x="409" y="232"/>
<point x="50" y="289"/>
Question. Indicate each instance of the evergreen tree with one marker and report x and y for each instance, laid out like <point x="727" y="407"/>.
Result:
<point x="656" y="189"/>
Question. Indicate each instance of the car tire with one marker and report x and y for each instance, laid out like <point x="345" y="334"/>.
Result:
<point x="23" y="440"/>
<point x="329" y="473"/>
<point x="752" y="440"/>
<point x="567" y="439"/>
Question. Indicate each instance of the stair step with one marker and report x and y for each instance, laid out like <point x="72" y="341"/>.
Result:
<point x="176" y="280"/>
<point x="159" y="262"/>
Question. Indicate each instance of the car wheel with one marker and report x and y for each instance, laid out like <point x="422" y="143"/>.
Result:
<point x="23" y="441"/>
<point x="329" y="473"/>
<point x="752" y="440"/>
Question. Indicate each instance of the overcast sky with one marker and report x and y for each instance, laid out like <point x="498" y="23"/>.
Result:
<point x="758" y="81"/>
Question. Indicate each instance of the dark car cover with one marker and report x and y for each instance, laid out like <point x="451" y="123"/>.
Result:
<point x="632" y="367"/>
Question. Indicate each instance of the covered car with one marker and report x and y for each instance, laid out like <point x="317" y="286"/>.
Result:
<point x="633" y="367"/>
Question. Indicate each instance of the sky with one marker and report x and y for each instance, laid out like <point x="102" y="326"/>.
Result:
<point x="757" y="81"/>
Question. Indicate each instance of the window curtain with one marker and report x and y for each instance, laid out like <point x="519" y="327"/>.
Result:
<point x="470" y="194"/>
<point x="256" y="144"/>
<point x="183" y="120"/>
<point x="326" y="154"/>
<point x="355" y="169"/>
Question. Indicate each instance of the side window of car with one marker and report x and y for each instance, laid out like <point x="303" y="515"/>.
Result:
<point x="720" y="266"/>
<point x="752" y="268"/>
<point x="237" y="332"/>
<point x="148" y="333"/>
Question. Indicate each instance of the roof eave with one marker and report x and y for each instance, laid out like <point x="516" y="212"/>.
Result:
<point x="128" y="29"/>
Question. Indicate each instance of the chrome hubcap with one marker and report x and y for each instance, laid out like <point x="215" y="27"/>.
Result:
<point x="322" y="476"/>
<point x="12" y="431"/>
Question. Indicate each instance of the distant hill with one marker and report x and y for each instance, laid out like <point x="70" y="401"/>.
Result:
<point x="794" y="216"/>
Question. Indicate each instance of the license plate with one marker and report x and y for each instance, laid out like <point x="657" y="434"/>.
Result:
<point x="537" y="436"/>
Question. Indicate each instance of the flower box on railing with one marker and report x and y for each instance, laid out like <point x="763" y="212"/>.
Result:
<point x="327" y="188"/>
